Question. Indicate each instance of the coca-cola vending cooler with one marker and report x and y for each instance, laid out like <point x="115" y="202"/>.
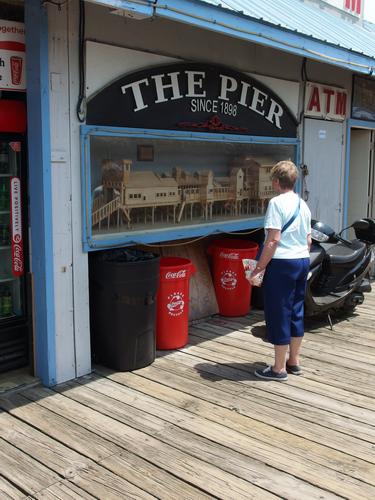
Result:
<point x="14" y="323"/>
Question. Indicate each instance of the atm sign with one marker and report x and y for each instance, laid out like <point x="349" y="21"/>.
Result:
<point x="325" y="102"/>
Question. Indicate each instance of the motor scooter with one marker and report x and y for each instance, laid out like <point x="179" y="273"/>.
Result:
<point x="339" y="268"/>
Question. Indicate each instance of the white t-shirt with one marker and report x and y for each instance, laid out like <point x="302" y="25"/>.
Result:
<point x="293" y="242"/>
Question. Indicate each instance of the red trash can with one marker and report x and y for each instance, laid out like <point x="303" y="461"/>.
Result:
<point x="172" y="317"/>
<point x="233" y="290"/>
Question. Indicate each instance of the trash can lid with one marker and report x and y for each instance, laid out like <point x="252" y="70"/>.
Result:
<point x="175" y="268"/>
<point x="122" y="255"/>
<point x="174" y="262"/>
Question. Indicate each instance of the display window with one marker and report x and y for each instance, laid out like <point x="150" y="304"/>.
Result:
<point x="147" y="189"/>
<point x="206" y="169"/>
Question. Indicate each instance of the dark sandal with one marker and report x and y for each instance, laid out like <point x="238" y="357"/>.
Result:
<point x="294" y="369"/>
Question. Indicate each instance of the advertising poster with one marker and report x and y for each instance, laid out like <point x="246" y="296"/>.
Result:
<point x="12" y="56"/>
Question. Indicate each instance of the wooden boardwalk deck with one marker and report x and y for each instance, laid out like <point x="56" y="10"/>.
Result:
<point x="197" y="424"/>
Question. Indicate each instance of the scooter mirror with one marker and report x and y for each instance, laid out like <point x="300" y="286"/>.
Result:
<point x="361" y="224"/>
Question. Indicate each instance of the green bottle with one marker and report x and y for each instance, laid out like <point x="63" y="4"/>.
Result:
<point x="4" y="166"/>
<point x="4" y="198"/>
<point x="7" y="303"/>
<point x="1" y="304"/>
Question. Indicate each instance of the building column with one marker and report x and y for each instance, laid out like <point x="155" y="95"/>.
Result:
<point x="40" y="193"/>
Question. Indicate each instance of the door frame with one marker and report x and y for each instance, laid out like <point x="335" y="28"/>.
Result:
<point x="351" y="124"/>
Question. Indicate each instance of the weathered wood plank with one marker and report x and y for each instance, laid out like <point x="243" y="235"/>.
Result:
<point x="65" y="461"/>
<point x="324" y="455"/>
<point x="127" y="401"/>
<point x="331" y="339"/>
<point x="316" y="370"/>
<point x="342" y="357"/>
<point x="189" y="382"/>
<point x="8" y="491"/>
<point x="179" y="462"/>
<point x="292" y="390"/>
<point x="77" y="437"/>
<point x="197" y="424"/>
<point x="228" y="378"/>
<point x="63" y="490"/>
<point x="23" y="471"/>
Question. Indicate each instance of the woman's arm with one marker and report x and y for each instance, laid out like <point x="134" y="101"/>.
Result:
<point x="309" y="241"/>
<point x="269" y="249"/>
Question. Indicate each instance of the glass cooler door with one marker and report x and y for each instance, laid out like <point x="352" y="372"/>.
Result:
<point x="11" y="237"/>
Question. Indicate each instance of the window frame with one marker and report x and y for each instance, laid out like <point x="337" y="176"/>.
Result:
<point x="149" y="236"/>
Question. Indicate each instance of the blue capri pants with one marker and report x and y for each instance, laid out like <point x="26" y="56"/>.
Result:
<point x="284" y="287"/>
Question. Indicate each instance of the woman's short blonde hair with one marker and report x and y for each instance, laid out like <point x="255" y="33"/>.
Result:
<point x="286" y="173"/>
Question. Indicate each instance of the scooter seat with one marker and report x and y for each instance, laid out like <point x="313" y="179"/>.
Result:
<point x="316" y="255"/>
<point x="342" y="254"/>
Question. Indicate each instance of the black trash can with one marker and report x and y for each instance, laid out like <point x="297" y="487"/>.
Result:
<point x="123" y="287"/>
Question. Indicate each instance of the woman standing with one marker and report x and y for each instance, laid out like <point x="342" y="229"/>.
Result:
<point x="285" y="260"/>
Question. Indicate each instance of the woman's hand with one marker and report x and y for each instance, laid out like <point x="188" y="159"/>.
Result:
<point x="256" y="277"/>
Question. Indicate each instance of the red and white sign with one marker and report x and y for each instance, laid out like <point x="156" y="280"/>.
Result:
<point x="18" y="267"/>
<point x="354" y="6"/>
<point x="228" y="280"/>
<point x="12" y="56"/>
<point x="230" y="256"/>
<point x="175" y="275"/>
<point x="326" y="102"/>
<point x="176" y="304"/>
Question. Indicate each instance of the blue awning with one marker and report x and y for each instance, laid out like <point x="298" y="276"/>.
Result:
<point x="287" y="25"/>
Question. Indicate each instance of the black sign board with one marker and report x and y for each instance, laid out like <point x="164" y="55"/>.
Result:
<point x="363" y="102"/>
<point x="195" y="97"/>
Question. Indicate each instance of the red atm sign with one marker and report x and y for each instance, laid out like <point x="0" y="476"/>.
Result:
<point x="325" y="102"/>
<point x="355" y="6"/>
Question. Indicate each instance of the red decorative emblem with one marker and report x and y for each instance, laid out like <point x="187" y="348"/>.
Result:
<point x="214" y="123"/>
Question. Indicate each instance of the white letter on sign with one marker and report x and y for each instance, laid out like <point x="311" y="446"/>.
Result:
<point x="136" y="88"/>
<point x="228" y="84"/>
<point x="194" y="82"/>
<point x="160" y="87"/>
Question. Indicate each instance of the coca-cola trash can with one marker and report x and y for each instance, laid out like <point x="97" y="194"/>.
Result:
<point x="172" y="316"/>
<point x="233" y="290"/>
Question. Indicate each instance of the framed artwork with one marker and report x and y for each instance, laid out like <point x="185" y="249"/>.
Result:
<point x="145" y="152"/>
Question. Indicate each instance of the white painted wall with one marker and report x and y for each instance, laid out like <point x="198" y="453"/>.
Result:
<point x="105" y="63"/>
<point x="116" y="40"/>
<point x="61" y="201"/>
<point x="70" y="263"/>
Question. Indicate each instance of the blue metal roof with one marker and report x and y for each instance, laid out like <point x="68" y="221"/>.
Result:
<point x="296" y="16"/>
<point x="288" y="25"/>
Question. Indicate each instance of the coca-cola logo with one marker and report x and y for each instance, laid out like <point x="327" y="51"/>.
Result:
<point x="230" y="255"/>
<point x="16" y="226"/>
<point x="175" y="275"/>
<point x="228" y="280"/>
<point x="176" y="304"/>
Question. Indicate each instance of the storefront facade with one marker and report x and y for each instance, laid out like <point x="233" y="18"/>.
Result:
<point x="155" y="129"/>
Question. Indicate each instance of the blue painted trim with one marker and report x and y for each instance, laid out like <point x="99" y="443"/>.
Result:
<point x="182" y="135"/>
<point x="40" y="189"/>
<point x="361" y="123"/>
<point x="96" y="242"/>
<point x="157" y="235"/>
<point x="85" y="152"/>
<point x="145" y="9"/>
<point x="235" y="24"/>
<point x="346" y="175"/>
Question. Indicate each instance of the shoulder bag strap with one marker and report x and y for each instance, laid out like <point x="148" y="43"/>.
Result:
<point x="293" y="218"/>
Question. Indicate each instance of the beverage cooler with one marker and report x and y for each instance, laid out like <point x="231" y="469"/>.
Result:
<point x="14" y="336"/>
